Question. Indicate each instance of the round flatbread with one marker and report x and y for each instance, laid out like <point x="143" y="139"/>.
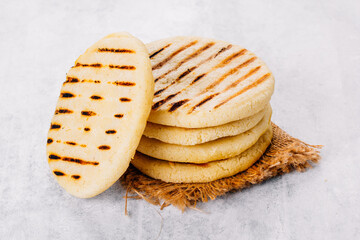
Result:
<point x="202" y="82"/>
<point x="199" y="173"/>
<point x="210" y="151"/>
<point x="100" y="115"/>
<point x="193" y="136"/>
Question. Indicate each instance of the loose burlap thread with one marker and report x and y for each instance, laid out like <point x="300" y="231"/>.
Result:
<point x="284" y="155"/>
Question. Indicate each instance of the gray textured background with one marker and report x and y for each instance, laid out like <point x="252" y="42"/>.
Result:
<point x="313" y="48"/>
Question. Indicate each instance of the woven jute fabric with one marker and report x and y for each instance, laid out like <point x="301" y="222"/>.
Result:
<point x="284" y="155"/>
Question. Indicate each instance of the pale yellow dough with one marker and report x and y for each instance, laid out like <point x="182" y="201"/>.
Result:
<point x="201" y="173"/>
<point x="202" y="82"/>
<point x="210" y="151"/>
<point x="193" y="136"/>
<point x="100" y="115"/>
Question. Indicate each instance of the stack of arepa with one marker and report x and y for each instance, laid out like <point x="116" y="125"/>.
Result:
<point x="210" y="117"/>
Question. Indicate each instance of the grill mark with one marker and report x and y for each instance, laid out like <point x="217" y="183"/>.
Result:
<point x="90" y="81"/>
<point x="115" y="50"/>
<point x="126" y="67"/>
<point x="96" y="65"/>
<point x="82" y="145"/>
<point x="86" y="129"/>
<point x="110" y="131"/>
<point x="74" y="160"/>
<point x="203" y="102"/>
<point x="228" y="73"/>
<point x="178" y="104"/>
<point x="71" y="80"/>
<point x="119" y="115"/>
<point x="160" y="64"/>
<point x="58" y="173"/>
<point x="159" y="51"/>
<point x="223" y="50"/>
<point x="186" y="59"/>
<point x="161" y="102"/>
<point x="159" y="91"/>
<point x="232" y="57"/>
<point x="95" y="97"/>
<point x="71" y="143"/>
<point x="251" y="72"/>
<point x="55" y="126"/>
<point x="124" y="99"/>
<point x="63" y="111"/>
<point x="198" y="77"/>
<point x="54" y="157"/>
<point x="75" y="176"/>
<point x="254" y="84"/>
<point x="49" y="141"/>
<point x="128" y="84"/>
<point x="104" y="147"/>
<point x="88" y="113"/>
<point x="66" y="95"/>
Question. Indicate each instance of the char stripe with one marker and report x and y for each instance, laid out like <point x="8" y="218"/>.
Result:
<point x="75" y="176"/>
<point x="193" y="68"/>
<point x="160" y="103"/>
<point x="124" y="99"/>
<point x="197" y="78"/>
<point x="104" y="147"/>
<point x="88" y="113"/>
<point x="119" y="83"/>
<point x="110" y="131"/>
<point x="96" y="65"/>
<point x="159" y="51"/>
<point x="254" y="84"/>
<point x="119" y="115"/>
<point x="66" y="95"/>
<point x="160" y="64"/>
<point x="71" y="80"/>
<point x="58" y="173"/>
<point x="55" y="126"/>
<point x="178" y="104"/>
<point x="223" y="50"/>
<point x="234" y="84"/>
<point x="49" y="140"/>
<point x="71" y="143"/>
<point x="186" y="59"/>
<point x="95" y="97"/>
<point x="232" y="57"/>
<point x="70" y="159"/>
<point x="228" y="73"/>
<point x="208" y="98"/>
<point x="99" y="65"/>
<point x="114" y="50"/>
<point x="62" y="111"/>
<point x="126" y="67"/>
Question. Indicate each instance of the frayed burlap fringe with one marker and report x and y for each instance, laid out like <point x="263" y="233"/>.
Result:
<point x="284" y="155"/>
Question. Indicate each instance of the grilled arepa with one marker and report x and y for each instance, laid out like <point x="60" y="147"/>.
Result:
<point x="203" y="82"/>
<point x="100" y="115"/>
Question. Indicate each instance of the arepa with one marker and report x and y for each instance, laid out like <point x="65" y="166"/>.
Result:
<point x="200" y="173"/>
<point x="100" y="115"/>
<point x="210" y="151"/>
<point x="193" y="136"/>
<point x="202" y="82"/>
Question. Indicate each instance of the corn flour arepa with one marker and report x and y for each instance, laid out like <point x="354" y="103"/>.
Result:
<point x="100" y="115"/>
<point x="210" y="116"/>
<point x="193" y="136"/>
<point x="210" y="151"/>
<point x="200" y="173"/>
<point x="202" y="82"/>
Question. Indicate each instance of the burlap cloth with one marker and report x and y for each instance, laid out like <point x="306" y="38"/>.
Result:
<point x="284" y="155"/>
